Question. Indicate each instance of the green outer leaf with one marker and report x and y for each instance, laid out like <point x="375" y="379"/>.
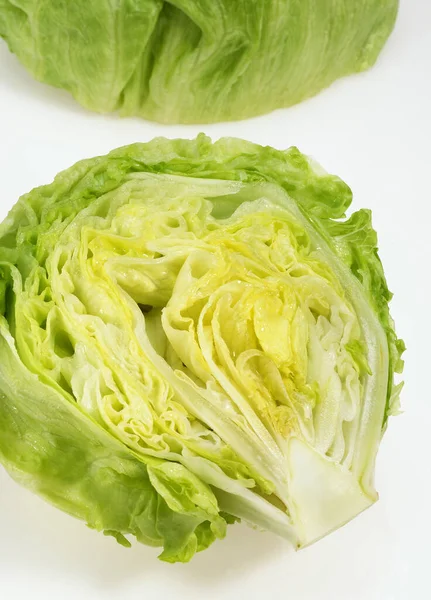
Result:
<point x="195" y="60"/>
<point x="49" y="446"/>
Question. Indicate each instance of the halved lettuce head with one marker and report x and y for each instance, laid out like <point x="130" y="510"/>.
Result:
<point x="195" y="61"/>
<point x="190" y="334"/>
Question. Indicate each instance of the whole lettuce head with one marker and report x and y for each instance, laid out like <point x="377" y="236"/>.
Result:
<point x="195" y="60"/>
<point x="190" y="334"/>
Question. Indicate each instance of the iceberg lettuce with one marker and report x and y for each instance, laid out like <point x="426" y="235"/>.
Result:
<point x="191" y="334"/>
<point x="195" y="61"/>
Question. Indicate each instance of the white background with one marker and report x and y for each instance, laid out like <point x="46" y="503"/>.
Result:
<point x="374" y="131"/>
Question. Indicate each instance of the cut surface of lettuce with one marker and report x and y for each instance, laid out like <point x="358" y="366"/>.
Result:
<point x="195" y="61"/>
<point x="191" y="334"/>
